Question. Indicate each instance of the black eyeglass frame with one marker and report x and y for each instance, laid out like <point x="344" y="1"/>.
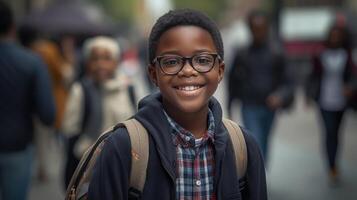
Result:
<point x="189" y="59"/>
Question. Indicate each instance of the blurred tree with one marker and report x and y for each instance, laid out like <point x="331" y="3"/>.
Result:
<point x="215" y="9"/>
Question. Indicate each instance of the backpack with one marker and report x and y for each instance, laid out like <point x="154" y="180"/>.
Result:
<point x="139" y="138"/>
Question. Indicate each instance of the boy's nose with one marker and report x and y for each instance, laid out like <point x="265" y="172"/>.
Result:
<point x="187" y="69"/>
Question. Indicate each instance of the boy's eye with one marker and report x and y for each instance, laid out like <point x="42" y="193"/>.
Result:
<point x="168" y="62"/>
<point x="203" y="60"/>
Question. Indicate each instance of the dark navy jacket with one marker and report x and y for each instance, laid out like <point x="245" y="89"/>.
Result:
<point x="111" y="174"/>
<point x="25" y="92"/>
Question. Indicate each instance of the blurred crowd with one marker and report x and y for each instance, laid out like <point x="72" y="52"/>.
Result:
<point x="260" y="78"/>
<point x="75" y="88"/>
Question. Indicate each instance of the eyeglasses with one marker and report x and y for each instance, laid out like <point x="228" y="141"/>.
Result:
<point x="173" y="64"/>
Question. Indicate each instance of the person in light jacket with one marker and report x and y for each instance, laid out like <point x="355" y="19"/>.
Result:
<point x="101" y="99"/>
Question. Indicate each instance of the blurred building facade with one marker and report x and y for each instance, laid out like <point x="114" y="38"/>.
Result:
<point x="313" y="3"/>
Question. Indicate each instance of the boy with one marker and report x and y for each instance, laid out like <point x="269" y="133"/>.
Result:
<point x="190" y="153"/>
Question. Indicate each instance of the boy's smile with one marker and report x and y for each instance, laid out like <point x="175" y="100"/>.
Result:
<point x="188" y="91"/>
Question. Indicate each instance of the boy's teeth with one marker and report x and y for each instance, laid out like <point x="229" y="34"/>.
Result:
<point x="189" y="88"/>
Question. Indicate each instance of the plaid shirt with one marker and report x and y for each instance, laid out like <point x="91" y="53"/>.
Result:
<point x="194" y="162"/>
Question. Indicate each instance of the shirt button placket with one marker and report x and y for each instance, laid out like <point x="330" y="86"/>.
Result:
<point x="187" y="138"/>
<point x="198" y="183"/>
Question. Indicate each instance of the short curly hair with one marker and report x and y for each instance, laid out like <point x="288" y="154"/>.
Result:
<point x="183" y="17"/>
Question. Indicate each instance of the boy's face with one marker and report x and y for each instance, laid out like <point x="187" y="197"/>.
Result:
<point x="101" y="64"/>
<point x="188" y="91"/>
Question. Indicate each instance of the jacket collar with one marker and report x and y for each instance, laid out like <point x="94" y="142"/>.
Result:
<point x="151" y="115"/>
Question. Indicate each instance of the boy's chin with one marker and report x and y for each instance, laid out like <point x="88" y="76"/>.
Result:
<point x="192" y="107"/>
<point x="181" y="106"/>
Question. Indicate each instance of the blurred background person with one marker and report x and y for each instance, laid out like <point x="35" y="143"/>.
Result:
<point x="331" y="84"/>
<point x="258" y="78"/>
<point x="61" y="74"/>
<point x="101" y="99"/>
<point x="25" y="93"/>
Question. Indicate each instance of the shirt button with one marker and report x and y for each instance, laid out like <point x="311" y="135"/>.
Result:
<point x="187" y="138"/>
<point x="198" y="182"/>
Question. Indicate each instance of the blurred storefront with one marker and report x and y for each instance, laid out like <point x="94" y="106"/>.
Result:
<point x="303" y="26"/>
<point x="304" y="23"/>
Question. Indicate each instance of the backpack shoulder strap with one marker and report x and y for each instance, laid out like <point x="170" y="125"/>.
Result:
<point x="139" y="139"/>
<point x="239" y="146"/>
<point x="78" y="186"/>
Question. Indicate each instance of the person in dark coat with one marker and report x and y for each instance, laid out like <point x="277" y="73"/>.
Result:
<point x="190" y="152"/>
<point x="259" y="78"/>
<point x="26" y="93"/>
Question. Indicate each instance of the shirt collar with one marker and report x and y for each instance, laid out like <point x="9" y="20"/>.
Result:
<point x="186" y="138"/>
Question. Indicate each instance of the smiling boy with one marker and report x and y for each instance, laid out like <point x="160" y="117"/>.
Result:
<point x="190" y="152"/>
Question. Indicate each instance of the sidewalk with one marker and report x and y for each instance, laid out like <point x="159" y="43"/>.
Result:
<point x="297" y="168"/>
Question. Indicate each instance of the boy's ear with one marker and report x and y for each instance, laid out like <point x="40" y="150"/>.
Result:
<point x="152" y="74"/>
<point x="221" y="71"/>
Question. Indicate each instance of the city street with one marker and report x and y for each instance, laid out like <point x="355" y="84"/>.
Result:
<point x="295" y="170"/>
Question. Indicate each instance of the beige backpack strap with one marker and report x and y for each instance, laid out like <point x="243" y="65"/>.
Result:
<point x="78" y="186"/>
<point x="139" y="139"/>
<point x="239" y="146"/>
